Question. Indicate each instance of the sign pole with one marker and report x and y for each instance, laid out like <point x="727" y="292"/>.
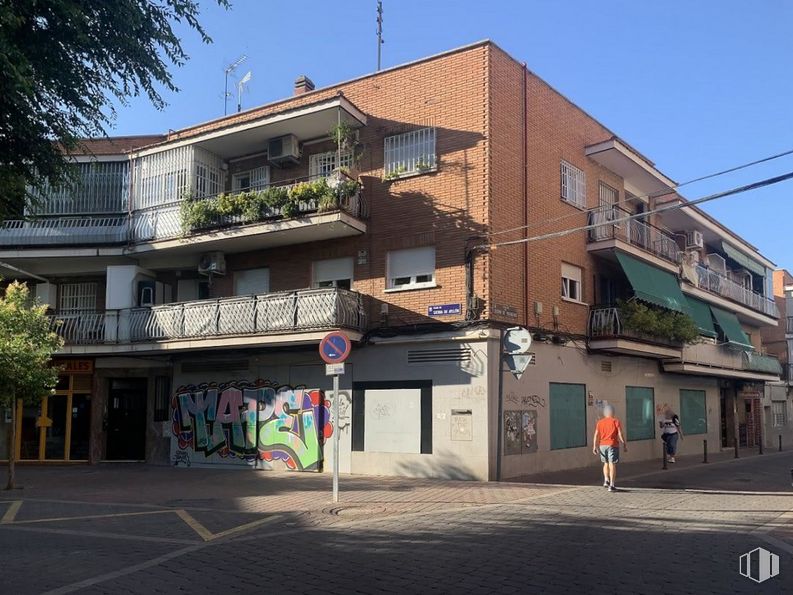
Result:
<point x="336" y="397"/>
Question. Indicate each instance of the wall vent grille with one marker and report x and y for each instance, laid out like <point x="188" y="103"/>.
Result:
<point x="439" y="356"/>
<point x="605" y="366"/>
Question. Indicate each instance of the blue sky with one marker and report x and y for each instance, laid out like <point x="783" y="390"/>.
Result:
<point x="695" y="86"/>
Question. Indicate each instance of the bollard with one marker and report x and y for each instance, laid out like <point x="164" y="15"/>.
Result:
<point x="705" y="451"/>
<point x="780" y="443"/>
<point x="665" y="465"/>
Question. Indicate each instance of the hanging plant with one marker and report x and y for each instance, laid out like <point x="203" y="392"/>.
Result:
<point x="344" y="136"/>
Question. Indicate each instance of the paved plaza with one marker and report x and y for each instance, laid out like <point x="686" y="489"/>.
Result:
<point x="144" y="529"/>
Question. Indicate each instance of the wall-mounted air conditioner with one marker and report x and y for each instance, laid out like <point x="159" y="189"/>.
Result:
<point x="283" y="150"/>
<point x="695" y="239"/>
<point x="212" y="263"/>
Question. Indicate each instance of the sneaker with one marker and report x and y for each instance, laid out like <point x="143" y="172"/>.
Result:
<point x="612" y="488"/>
<point x="606" y="484"/>
<point x="671" y="460"/>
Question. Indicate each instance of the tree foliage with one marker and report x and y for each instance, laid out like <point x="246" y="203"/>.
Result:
<point x="26" y="348"/>
<point x="657" y="322"/>
<point x="63" y="64"/>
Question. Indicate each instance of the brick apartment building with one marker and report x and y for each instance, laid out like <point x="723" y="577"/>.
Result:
<point x="192" y="320"/>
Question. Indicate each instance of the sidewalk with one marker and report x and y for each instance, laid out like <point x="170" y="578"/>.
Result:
<point x="769" y="472"/>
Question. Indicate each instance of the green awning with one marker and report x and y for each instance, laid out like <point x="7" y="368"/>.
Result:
<point x="743" y="260"/>
<point x="700" y="312"/>
<point x="763" y="363"/>
<point x="733" y="333"/>
<point x="653" y="285"/>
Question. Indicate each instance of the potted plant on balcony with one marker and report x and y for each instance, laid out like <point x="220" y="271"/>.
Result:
<point x="657" y="323"/>
<point x="344" y="136"/>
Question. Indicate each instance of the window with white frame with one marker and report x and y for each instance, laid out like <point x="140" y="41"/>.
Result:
<point x="321" y="165"/>
<point x="252" y="281"/>
<point x="573" y="184"/>
<point x="254" y="179"/>
<point x="571" y="282"/>
<point x="333" y="272"/>
<point x="411" y="152"/>
<point x="778" y="409"/>
<point x="413" y="268"/>
<point x="77" y="297"/>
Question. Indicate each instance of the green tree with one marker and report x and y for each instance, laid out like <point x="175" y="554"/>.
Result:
<point x="26" y="348"/>
<point x="64" y="62"/>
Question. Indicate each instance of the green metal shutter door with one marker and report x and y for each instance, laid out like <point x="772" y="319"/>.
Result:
<point x="639" y="412"/>
<point x="693" y="412"/>
<point x="568" y="415"/>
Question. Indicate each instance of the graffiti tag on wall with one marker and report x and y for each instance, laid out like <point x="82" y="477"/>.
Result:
<point x="250" y="420"/>
<point x="520" y="432"/>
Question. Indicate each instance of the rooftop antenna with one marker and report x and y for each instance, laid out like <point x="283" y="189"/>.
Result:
<point x="228" y="70"/>
<point x="240" y="85"/>
<point x="380" y="41"/>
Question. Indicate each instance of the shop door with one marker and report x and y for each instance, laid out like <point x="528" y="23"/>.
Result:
<point x="126" y="419"/>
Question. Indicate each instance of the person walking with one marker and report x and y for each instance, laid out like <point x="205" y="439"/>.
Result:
<point x="670" y="433"/>
<point x="606" y="443"/>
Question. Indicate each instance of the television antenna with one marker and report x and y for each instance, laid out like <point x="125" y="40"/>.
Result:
<point x="380" y="41"/>
<point x="227" y="71"/>
<point x="243" y="81"/>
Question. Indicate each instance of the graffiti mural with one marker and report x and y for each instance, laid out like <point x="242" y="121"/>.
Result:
<point x="520" y="432"/>
<point x="252" y="420"/>
<point x="512" y="432"/>
<point x="529" y="427"/>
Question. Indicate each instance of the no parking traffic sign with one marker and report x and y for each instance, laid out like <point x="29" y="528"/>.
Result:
<point x="334" y="347"/>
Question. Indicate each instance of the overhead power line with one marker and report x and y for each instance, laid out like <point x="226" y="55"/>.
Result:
<point x="662" y="209"/>
<point x="647" y="196"/>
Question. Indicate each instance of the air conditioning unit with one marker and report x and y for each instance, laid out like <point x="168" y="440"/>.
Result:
<point x="212" y="263"/>
<point x="283" y="149"/>
<point x="695" y="239"/>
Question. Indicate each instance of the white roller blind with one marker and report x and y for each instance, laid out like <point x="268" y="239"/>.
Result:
<point x="252" y="282"/>
<point x="411" y="262"/>
<point x="333" y="269"/>
<point x="571" y="272"/>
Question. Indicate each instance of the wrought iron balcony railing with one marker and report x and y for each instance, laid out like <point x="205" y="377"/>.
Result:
<point x="633" y="231"/>
<point x="715" y="282"/>
<point x="271" y="313"/>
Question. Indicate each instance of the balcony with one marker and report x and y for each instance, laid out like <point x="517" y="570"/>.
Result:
<point x="712" y="359"/>
<point x="287" y="317"/>
<point x="65" y="231"/>
<point x="634" y="236"/>
<point x="718" y="284"/>
<point x="606" y="332"/>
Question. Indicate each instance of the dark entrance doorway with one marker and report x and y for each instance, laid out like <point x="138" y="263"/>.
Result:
<point x="126" y="419"/>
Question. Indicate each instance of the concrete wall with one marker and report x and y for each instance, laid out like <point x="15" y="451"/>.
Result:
<point x="571" y="364"/>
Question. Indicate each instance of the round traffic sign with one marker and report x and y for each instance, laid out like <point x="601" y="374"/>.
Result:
<point x="334" y="347"/>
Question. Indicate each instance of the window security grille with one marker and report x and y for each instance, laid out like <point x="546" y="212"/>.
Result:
<point x="573" y="184"/>
<point x="411" y="152"/>
<point x="77" y="297"/>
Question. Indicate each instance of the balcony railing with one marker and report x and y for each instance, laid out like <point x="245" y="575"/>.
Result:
<point x="717" y="283"/>
<point x="605" y="323"/>
<point x="160" y="222"/>
<point x="272" y="313"/>
<point x="714" y="355"/>
<point x="633" y="231"/>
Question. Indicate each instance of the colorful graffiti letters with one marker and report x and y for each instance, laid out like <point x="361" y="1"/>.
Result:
<point x="253" y="420"/>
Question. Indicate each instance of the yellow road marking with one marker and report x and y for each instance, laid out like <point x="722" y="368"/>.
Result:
<point x="11" y="513"/>
<point x="202" y="531"/>
<point x="92" y="516"/>
<point x="244" y="527"/>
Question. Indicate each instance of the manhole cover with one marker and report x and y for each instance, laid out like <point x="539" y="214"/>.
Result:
<point x="349" y="511"/>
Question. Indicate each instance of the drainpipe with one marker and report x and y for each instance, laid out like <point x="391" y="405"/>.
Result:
<point x="525" y="194"/>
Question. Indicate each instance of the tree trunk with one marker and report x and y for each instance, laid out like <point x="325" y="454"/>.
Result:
<point x="12" y="448"/>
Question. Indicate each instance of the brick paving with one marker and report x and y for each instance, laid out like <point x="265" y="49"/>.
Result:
<point x="137" y="529"/>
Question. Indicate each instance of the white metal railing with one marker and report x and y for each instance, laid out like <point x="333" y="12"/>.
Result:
<point x="101" y="187"/>
<point x="304" y="310"/>
<point x="633" y="231"/>
<point x="64" y="230"/>
<point x="604" y="322"/>
<point x="410" y="152"/>
<point x="715" y="282"/>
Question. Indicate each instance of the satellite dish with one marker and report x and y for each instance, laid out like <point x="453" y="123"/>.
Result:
<point x="517" y="340"/>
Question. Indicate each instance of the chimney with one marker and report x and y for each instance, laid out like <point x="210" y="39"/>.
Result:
<point x="303" y="84"/>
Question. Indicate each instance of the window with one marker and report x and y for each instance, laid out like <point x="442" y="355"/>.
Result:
<point x="192" y="289"/>
<point x="639" y="411"/>
<point x="571" y="283"/>
<point x="254" y="179"/>
<point x="779" y="413"/>
<point x="162" y="398"/>
<point x="411" y="269"/>
<point x="693" y="412"/>
<point x="573" y="185"/>
<point x="77" y="297"/>
<point x="568" y="415"/>
<point x="334" y="272"/>
<point x="411" y="152"/>
<point x="321" y="165"/>
<point x="252" y="282"/>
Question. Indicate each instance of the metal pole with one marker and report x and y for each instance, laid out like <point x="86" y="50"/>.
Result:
<point x="379" y="31"/>
<point x="226" y="94"/>
<point x="336" y="397"/>
<point x="500" y="412"/>
<point x="735" y="422"/>
<point x="705" y="451"/>
<point x="759" y="418"/>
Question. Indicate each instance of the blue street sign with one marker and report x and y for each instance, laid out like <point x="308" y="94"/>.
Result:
<point x="444" y="310"/>
<point x="334" y="347"/>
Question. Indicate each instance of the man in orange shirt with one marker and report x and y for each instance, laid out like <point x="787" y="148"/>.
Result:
<point x="606" y="442"/>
